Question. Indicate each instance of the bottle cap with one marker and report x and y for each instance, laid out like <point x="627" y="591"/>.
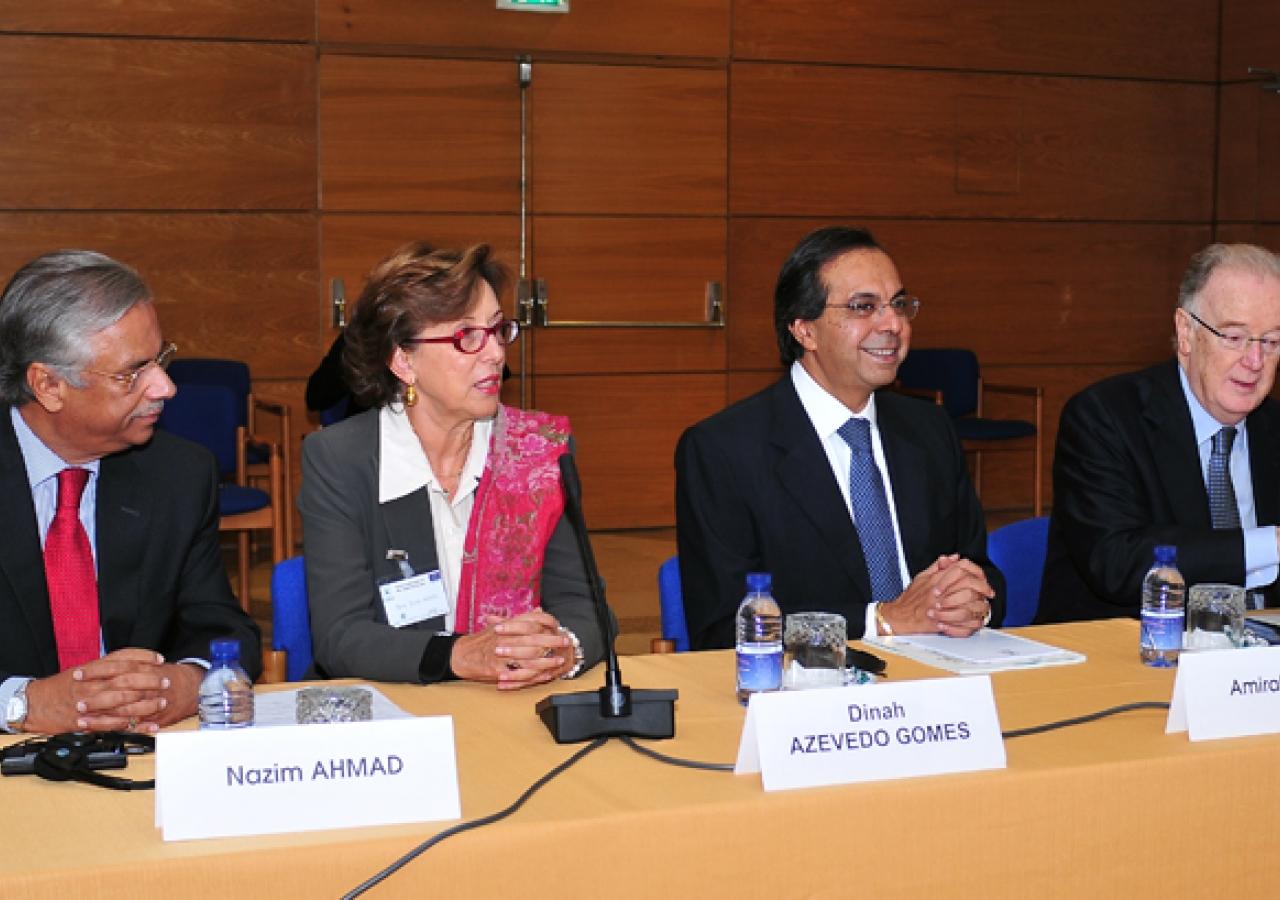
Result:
<point x="224" y="650"/>
<point x="1166" y="555"/>
<point x="759" y="583"/>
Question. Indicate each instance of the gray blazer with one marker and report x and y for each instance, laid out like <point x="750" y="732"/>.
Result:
<point x="348" y="533"/>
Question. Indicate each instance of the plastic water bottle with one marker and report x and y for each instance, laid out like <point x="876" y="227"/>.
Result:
<point x="226" y="694"/>
<point x="1164" y="594"/>
<point x="759" y="642"/>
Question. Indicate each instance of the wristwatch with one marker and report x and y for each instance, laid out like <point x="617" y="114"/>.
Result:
<point x="16" y="715"/>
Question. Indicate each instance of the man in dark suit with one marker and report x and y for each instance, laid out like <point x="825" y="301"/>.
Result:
<point x="1186" y="453"/>
<point x="111" y="582"/>
<point x="856" y="502"/>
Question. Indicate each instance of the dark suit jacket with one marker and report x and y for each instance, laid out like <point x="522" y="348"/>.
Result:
<point x="348" y="533"/>
<point x="1126" y="478"/>
<point x="161" y="582"/>
<point x="755" y="493"/>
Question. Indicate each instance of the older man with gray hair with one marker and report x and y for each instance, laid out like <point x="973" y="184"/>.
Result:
<point x="111" y="582"/>
<point x="1186" y="453"/>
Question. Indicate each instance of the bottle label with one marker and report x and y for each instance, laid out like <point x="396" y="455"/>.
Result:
<point x="760" y="668"/>
<point x="1162" y="629"/>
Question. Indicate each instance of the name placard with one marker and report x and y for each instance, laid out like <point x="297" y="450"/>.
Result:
<point x="305" y="778"/>
<point x="1226" y="693"/>
<point x="871" y="732"/>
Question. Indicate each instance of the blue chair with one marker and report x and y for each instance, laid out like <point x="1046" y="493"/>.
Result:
<point x="955" y="374"/>
<point x="234" y="375"/>
<point x="208" y="415"/>
<point x="674" y="627"/>
<point x="290" y="622"/>
<point x="1018" y="550"/>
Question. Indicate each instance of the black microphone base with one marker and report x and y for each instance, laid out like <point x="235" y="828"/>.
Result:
<point x="573" y="718"/>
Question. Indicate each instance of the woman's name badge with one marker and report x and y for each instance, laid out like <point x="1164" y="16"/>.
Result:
<point x="415" y="599"/>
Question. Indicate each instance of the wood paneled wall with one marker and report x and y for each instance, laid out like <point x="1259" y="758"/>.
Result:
<point x="1040" y="171"/>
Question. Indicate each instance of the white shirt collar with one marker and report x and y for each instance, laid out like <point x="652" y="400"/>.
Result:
<point x="826" y="412"/>
<point x="402" y="463"/>
<point x="1206" y="426"/>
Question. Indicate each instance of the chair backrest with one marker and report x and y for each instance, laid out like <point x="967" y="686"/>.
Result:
<point x="229" y="373"/>
<point x="674" y="627"/>
<point x="290" y="616"/>
<point x="208" y="415"/>
<point x="952" y="371"/>
<point x="1019" y="551"/>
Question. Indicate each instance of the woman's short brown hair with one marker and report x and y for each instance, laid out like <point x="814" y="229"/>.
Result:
<point x="411" y="289"/>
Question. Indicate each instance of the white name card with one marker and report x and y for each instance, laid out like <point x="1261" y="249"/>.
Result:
<point x="305" y="778"/>
<point x="871" y="732"/>
<point x="1226" y="693"/>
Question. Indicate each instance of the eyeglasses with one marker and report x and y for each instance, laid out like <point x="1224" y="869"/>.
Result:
<point x="1237" y="340"/>
<point x="473" y="338"/>
<point x="130" y="379"/>
<point x="864" y="308"/>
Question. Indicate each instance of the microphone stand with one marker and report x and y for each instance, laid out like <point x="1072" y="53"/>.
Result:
<point x="614" y="709"/>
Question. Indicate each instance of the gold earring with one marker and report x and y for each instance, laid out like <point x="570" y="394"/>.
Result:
<point x="410" y="396"/>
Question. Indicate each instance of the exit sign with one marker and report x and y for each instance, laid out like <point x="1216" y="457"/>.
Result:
<point x="556" y="6"/>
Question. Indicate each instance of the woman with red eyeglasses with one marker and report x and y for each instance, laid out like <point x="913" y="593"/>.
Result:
<point x="436" y="543"/>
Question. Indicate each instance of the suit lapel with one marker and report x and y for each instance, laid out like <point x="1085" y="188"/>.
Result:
<point x="804" y="472"/>
<point x="125" y="517"/>
<point x="1172" y="440"/>
<point x="907" y="464"/>
<point x="1264" y="451"/>
<point x="21" y="558"/>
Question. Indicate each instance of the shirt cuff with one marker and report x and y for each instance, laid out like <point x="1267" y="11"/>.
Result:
<point x="1261" y="556"/>
<point x="7" y="690"/>
<point x="435" y="659"/>
<point x="869" y="628"/>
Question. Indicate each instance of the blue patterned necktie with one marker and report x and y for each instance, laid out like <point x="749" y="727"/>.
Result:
<point x="1222" y="494"/>
<point x="871" y="513"/>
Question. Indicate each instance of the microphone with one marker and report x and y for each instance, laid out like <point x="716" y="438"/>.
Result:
<point x="615" y="709"/>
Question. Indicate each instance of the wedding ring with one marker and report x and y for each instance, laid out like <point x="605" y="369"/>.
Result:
<point x="133" y="722"/>
<point x="513" y="665"/>
<point x="546" y="654"/>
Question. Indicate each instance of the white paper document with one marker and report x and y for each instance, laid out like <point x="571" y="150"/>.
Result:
<point x="983" y="652"/>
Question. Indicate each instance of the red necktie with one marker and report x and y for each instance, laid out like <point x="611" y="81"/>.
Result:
<point x="68" y="569"/>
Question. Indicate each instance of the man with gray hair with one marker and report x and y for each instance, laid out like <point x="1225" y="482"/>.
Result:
<point x="1186" y="453"/>
<point x="111" y="581"/>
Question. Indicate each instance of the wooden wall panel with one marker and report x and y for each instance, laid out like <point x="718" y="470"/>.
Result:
<point x="128" y="124"/>
<point x="626" y="428"/>
<point x="211" y="274"/>
<point x="274" y="20"/>
<point x="1136" y="38"/>
<point x="1239" y="106"/>
<point x="650" y="27"/>
<point x="840" y="141"/>
<point x="352" y="244"/>
<point x="743" y="384"/>
<point x="1269" y="158"/>
<point x="580" y="351"/>
<point x="426" y="135"/>
<point x="629" y="269"/>
<point x="1015" y="293"/>
<point x="1250" y="37"/>
<point x="629" y="140"/>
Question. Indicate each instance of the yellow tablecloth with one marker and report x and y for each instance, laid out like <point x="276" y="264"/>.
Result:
<point x="1110" y="809"/>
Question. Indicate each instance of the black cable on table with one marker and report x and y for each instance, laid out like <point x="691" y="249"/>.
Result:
<point x="1080" y="720"/>
<point x="674" y="760"/>
<point x="475" y="823"/>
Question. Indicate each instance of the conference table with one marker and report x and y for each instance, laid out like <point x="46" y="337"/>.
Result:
<point x="1113" y="808"/>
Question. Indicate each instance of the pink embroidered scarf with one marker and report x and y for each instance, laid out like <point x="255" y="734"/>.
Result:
<point x="517" y="505"/>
